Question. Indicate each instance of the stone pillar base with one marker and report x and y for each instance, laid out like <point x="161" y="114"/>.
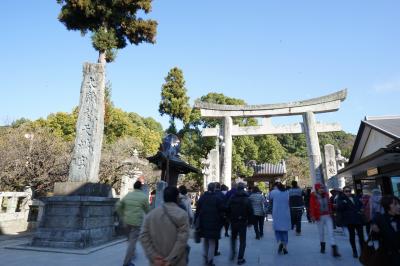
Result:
<point x="75" y="222"/>
<point x="81" y="189"/>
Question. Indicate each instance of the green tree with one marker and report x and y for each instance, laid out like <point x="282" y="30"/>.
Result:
<point x="298" y="167"/>
<point x="19" y="122"/>
<point x="112" y="23"/>
<point x="63" y="125"/>
<point x="245" y="148"/>
<point x="174" y="101"/>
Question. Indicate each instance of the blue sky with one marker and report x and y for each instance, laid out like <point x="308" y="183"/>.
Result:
<point x="260" y="51"/>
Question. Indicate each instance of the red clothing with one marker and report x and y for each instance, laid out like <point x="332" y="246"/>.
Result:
<point x="315" y="209"/>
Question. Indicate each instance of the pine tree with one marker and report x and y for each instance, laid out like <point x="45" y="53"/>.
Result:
<point x="174" y="101"/>
<point x="112" y="23"/>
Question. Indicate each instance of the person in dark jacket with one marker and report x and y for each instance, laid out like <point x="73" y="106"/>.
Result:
<point x="240" y="212"/>
<point x="208" y="211"/>
<point x="296" y="204"/>
<point x="221" y="196"/>
<point x="224" y="190"/>
<point x="350" y="210"/>
<point x="386" y="227"/>
<point x="307" y="195"/>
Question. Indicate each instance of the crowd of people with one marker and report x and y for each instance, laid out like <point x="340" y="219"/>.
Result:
<point x="164" y="231"/>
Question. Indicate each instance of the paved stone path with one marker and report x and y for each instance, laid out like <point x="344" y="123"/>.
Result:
<point x="303" y="251"/>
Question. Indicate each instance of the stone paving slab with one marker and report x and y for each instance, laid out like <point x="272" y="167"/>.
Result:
<point x="303" y="251"/>
<point x="85" y="251"/>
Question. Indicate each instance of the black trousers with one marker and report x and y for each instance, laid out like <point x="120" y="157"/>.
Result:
<point x="352" y="235"/>
<point x="258" y="225"/>
<point x="238" y="229"/>
<point x="226" y="226"/>
<point x="308" y="214"/>
<point x="295" y="215"/>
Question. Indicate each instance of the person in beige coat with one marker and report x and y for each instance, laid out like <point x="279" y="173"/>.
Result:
<point x="165" y="232"/>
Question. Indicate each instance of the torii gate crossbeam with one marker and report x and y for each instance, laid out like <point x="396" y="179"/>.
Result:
<point x="306" y="108"/>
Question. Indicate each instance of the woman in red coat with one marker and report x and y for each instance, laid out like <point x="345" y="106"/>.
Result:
<point x="321" y="210"/>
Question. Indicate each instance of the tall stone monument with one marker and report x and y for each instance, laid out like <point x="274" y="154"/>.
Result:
<point x="211" y="168"/>
<point x="84" y="168"/>
<point x="80" y="214"/>
<point x="90" y="126"/>
<point x="340" y="162"/>
<point x="330" y="166"/>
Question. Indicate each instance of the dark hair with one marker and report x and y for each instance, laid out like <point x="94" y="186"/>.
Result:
<point x="211" y="187"/>
<point x="294" y="184"/>
<point x="137" y="185"/>
<point x="217" y="186"/>
<point x="171" y="194"/>
<point x="387" y="200"/>
<point x="256" y="189"/>
<point x="241" y="186"/>
<point x="346" y="187"/>
<point x="183" y="190"/>
<point x="280" y="186"/>
<point x="224" y="187"/>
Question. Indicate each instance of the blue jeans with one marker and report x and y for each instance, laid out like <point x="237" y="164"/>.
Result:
<point x="282" y="236"/>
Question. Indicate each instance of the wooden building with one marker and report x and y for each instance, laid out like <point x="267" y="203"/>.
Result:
<point x="267" y="172"/>
<point x="375" y="158"/>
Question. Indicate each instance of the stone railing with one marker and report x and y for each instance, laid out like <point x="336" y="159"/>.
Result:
<point x="15" y="211"/>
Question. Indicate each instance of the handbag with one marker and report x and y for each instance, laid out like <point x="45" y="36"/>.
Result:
<point x="370" y="256"/>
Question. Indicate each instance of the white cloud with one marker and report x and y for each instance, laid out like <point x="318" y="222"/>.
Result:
<point x="390" y="86"/>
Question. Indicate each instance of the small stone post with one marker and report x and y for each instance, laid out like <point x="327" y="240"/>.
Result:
<point x="12" y="204"/>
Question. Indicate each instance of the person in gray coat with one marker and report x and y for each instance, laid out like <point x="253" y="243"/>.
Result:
<point x="281" y="216"/>
<point x="257" y="202"/>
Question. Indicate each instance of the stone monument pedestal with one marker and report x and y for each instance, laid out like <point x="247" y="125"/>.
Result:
<point x="75" y="222"/>
<point x="81" y="189"/>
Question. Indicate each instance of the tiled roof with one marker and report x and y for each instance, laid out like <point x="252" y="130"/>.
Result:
<point x="270" y="169"/>
<point x="388" y="124"/>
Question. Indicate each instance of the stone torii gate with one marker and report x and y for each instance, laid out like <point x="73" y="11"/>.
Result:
<point x="307" y="109"/>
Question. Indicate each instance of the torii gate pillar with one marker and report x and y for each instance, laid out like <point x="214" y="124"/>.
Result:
<point x="314" y="153"/>
<point x="227" y="154"/>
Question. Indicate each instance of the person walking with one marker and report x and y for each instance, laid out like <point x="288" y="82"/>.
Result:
<point x="165" y="232"/>
<point x="224" y="190"/>
<point x="186" y="202"/>
<point x="321" y="211"/>
<point x="221" y="196"/>
<point x="240" y="212"/>
<point x="257" y="202"/>
<point x="350" y="209"/>
<point x="386" y="228"/>
<point x="307" y="195"/>
<point x="131" y="209"/>
<point x="296" y="204"/>
<point x="208" y="211"/>
<point x="281" y="216"/>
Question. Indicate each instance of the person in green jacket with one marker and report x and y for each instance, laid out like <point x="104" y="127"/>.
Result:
<point x="132" y="209"/>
